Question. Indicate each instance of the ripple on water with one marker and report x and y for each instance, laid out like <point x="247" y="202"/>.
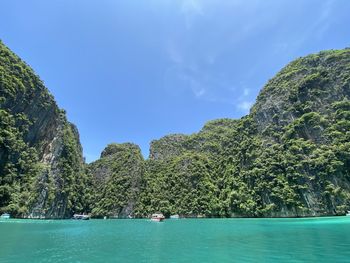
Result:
<point x="202" y="240"/>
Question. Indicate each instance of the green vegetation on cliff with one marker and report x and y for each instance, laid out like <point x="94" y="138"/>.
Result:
<point x="289" y="157"/>
<point x="18" y="166"/>
<point x="115" y="180"/>
<point x="41" y="165"/>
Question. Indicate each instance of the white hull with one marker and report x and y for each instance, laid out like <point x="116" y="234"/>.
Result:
<point x="81" y="217"/>
<point x="5" y="216"/>
<point x="157" y="219"/>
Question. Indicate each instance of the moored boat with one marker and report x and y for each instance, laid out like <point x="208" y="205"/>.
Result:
<point x="157" y="217"/>
<point x="81" y="217"/>
<point x="5" y="216"/>
<point x="348" y="213"/>
<point x="174" y="216"/>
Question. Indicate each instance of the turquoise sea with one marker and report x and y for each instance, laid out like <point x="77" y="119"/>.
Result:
<point x="184" y="240"/>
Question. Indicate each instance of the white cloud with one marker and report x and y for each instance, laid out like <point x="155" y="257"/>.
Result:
<point x="246" y="92"/>
<point x="183" y="74"/>
<point x="317" y="28"/>
<point x="181" y="79"/>
<point x="174" y="54"/>
<point x="245" y="106"/>
<point x="199" y="92"/>
<point x="192" y="7"/>
<point x="322" y="24"/>
<point x="193" y="65"/>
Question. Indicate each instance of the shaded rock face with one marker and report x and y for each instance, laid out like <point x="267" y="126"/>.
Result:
<point x="44" y="133"/>
<point x="167" y="146"/>
<point x="116" y="180"/>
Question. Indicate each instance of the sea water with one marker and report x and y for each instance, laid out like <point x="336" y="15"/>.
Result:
<point x="184" y="240"/>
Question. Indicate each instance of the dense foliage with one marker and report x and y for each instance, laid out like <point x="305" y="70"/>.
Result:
<point x="115" y="180"/>
<point x="289" y="157"/>
<point x="18" y="166"/>
<point x="41" y="165"/>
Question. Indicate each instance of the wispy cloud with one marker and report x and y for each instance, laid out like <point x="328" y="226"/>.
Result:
<point x="205" y="50"/>
<point x="192" y="7"/>
<point x="317" y="28"/>
<point x="244" y="106"/>
<point x="246" y="91"/>
<point x="181" y="78"/>
<point x="191" y="74"/>
<point x="183" y="75"/>
<point x="173" y="53"/>
<point x="244" y="102"/>
<point x="322" y="23"/>
<point x="195" y="67"/>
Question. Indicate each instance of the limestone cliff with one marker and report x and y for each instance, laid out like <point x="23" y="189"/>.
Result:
<point x="116" y="179"/>
<point x="41" y="162"/>
<point x="167" y="146"/>
<point x="288" y="157"/>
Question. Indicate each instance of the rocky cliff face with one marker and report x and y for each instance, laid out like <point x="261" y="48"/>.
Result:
<point x="167" y="146"/>
<point x="305" y="111"/>
<point x="36" y="147"/>
<point x="309" y="84"/>
<point x="116" y="181"/>
<point x="288" y="157"/>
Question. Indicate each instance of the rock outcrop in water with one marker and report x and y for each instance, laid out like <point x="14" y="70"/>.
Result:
<point x="289" y="157"/>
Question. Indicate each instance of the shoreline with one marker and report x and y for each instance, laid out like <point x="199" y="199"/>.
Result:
<point x="181" y="218"/>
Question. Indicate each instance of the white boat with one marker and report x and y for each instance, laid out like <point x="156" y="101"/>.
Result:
<point x="348" y="213"/>
<point x="174" y="216"/>
<point x="5" y="216"/>
<point x="157" y="217"/>
<point x="81" y="217"/>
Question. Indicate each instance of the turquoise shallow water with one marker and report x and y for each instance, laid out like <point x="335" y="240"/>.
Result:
<point x="185" y="240"/>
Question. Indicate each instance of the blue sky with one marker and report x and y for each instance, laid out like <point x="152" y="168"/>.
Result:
<point x="136" y="70"/>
